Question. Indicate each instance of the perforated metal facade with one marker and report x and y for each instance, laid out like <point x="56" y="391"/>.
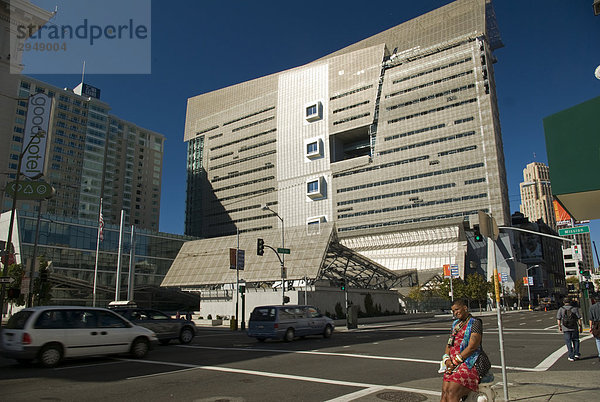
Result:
<point x="397" y="129"/>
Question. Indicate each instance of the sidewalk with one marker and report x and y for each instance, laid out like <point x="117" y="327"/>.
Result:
<point x="552" y="386"/>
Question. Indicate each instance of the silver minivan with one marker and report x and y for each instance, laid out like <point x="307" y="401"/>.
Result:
<point x="287" y="322"/>
<point x="51" y="333"/>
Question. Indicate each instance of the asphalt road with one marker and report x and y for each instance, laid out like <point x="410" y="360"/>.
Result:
<point x="392" y="361"/>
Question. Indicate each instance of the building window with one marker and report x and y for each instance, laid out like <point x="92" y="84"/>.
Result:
<point x="313" y="148"/>
<point x="316" y="188"/>
<point x="313" y="111"/>
<point x="313" y="225"/>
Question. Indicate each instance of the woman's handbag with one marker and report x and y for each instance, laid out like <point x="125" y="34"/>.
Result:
<point x="482" y="364"/>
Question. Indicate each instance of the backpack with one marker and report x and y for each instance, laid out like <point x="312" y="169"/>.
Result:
<point x="570" y="319"/>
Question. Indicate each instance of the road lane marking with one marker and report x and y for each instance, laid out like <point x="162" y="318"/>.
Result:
<point x="277" y="375"/>
<point x="355" y="395"/>
<point x="351" y="355"/>
<point x="553" y="358"/>
<point x="552" y="327"/>
<point x="87" y="365"/>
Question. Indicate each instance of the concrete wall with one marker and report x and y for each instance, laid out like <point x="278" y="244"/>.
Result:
<point x="323" y="298"/>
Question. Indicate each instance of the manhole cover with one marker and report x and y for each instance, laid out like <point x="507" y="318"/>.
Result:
<point x="401" y="396"/>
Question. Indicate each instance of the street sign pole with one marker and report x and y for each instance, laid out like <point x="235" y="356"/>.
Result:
<point x="489" y="228"/>
<point x="237" y="281"/>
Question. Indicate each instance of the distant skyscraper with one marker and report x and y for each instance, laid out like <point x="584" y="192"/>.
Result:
<point x="90" y="154"/>
<point x="397" y="132"/>
<point x="536" y="194"/>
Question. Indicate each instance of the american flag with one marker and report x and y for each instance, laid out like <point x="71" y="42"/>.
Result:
<point x="101" y="227"/>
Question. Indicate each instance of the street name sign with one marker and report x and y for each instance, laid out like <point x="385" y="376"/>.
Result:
<point x="236" y="259"/>
<point x="573" y="231"/>
<point x="283" y="250"/>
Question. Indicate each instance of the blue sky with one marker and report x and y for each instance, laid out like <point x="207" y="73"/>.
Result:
<point x="547" y="65"/>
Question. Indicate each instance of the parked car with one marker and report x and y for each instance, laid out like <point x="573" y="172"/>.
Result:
<point x="51" y="333"/>
<point x="165" y="327"/>
<point x="287" y="322"/>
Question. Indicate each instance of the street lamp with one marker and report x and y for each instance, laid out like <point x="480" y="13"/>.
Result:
<point x="38" y="134"/>
<point x="282" y="259"/>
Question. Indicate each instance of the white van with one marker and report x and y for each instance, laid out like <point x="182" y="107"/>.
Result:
<point x="51" y="333"/>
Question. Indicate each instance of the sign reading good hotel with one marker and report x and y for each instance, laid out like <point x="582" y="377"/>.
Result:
<point x="37" y="123"/>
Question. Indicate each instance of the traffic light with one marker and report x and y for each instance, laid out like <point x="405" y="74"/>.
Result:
<point x="476" y="233"/>
<point x="342" y="287"/>
<point x="260" y="247"/>
<point x="44" y="275"/>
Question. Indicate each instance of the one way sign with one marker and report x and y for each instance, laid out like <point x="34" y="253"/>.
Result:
<point x="6" y="279"/>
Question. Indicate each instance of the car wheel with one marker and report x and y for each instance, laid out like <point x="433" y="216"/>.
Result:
<point x="327" y="332"/>
<point x="289" y="335"/>
<point x="260" y="339"/>
<point x="50" y="355"/>
<point x="139" y="348"/>
<point x="186" y="335"/>
<point x="164" y="341"/>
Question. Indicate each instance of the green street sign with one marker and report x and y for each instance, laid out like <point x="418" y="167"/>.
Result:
<point x="30" y="190"/>
<point x="283" y="250"/>
<point x="574" y="231"/>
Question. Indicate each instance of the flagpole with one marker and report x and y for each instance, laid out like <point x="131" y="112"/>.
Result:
<point x="100" y="227"/>
<point x="119" y="256"/>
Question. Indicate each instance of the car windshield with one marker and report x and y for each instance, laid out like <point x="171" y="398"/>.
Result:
<point x="263" y="314"/>
<point x="18" y="320"/>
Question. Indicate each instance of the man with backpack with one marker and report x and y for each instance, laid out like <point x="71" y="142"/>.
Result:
<point x="569" y="322"/>
<point x="595" y="323"/>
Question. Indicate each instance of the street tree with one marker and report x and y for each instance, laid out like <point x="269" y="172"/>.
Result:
<point x="476" y="289"/>
<point x="41" y="287"/>
<point x="520" y="291"/>
<point x="15" y="271"/>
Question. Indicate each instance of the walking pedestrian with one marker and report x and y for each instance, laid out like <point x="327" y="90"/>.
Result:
<point x="595" y="323"/>
<point x="569" y="322"/>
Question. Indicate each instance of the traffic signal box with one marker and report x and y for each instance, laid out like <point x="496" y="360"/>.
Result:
<point x="260" y="247"/>
<point x="477" y="233"/>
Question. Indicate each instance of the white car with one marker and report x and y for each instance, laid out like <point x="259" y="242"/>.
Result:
<point x="51" y="333"/>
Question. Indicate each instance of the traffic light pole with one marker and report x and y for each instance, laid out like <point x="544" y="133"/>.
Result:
<point x="260" y="250"/>
<point x="281" y="259"/>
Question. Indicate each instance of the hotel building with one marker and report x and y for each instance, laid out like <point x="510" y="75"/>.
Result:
<point x="90" y="154"/>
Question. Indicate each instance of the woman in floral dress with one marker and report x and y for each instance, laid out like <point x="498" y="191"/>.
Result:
<point x="462" y="350"/>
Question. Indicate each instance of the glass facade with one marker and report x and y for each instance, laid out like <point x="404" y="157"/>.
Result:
<point x="71" y="246"/>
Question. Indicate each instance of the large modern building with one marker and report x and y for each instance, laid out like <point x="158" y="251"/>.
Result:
<point x="395" y="139"/>
<point x="91" y="154"/>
